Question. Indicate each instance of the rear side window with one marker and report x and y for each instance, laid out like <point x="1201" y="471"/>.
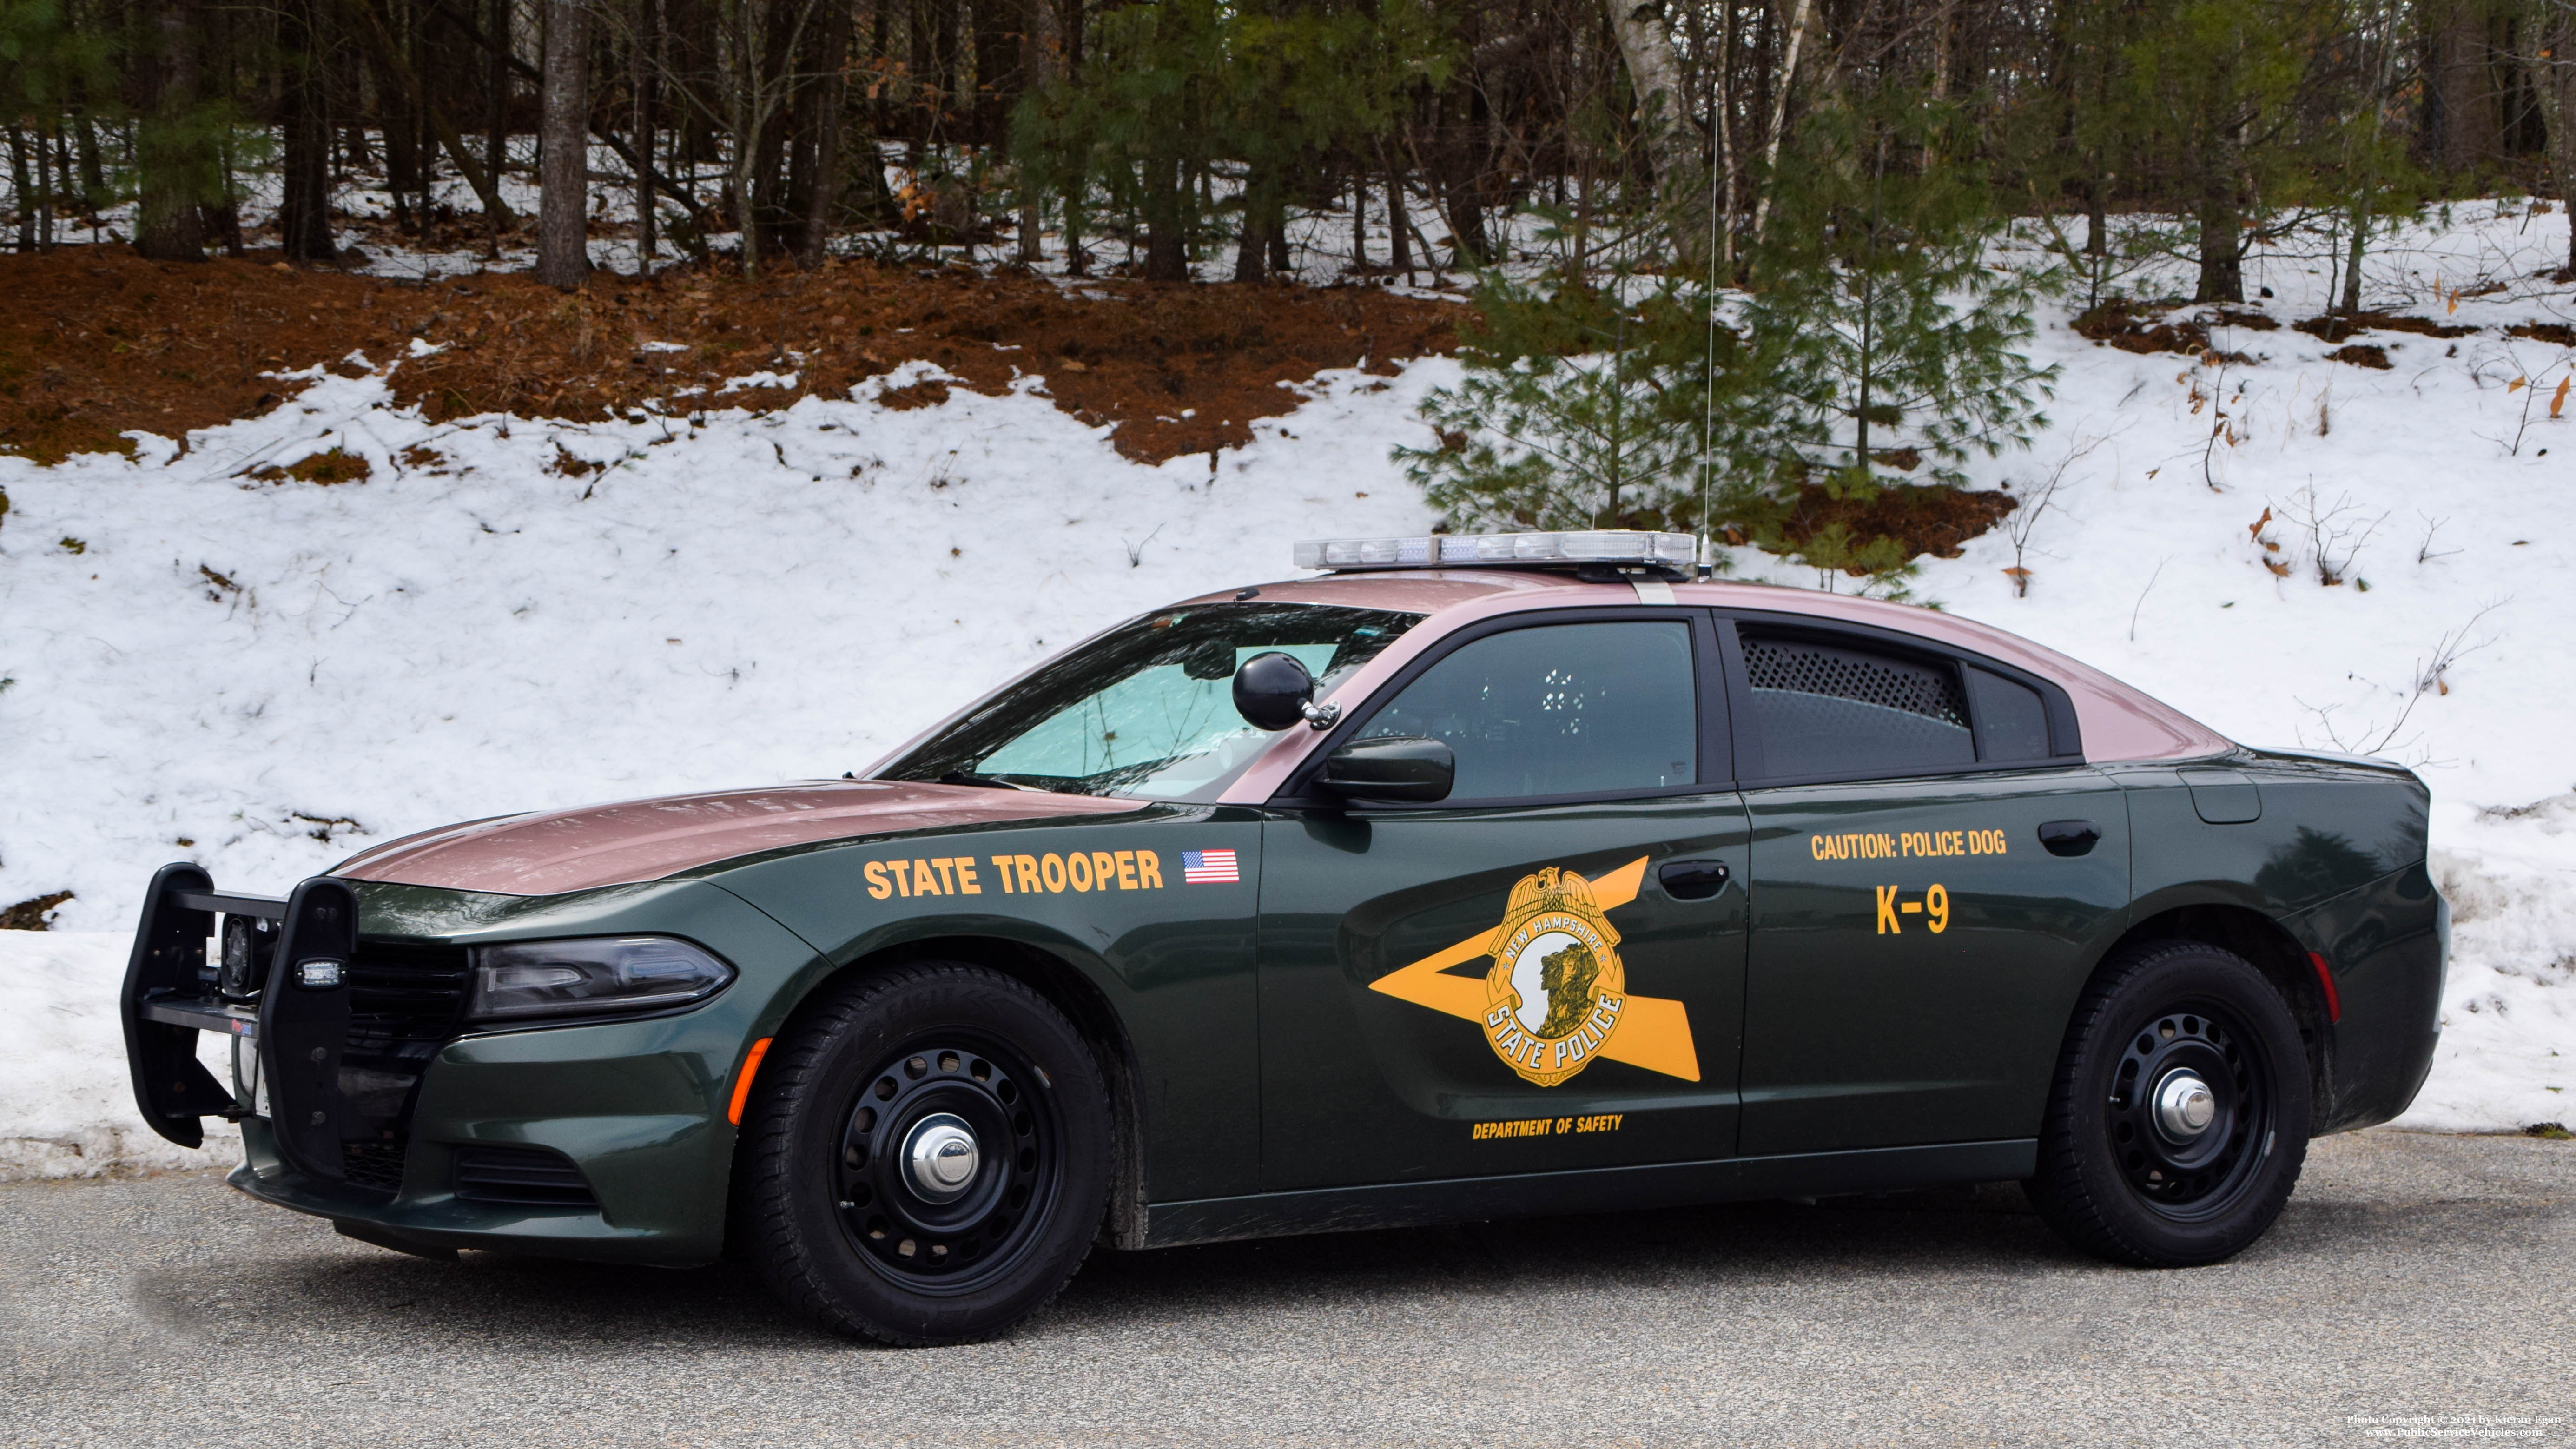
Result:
<point x="1560" y="709"/>
<point x="1830" y="709"/>
<point x="2012" y="723"/>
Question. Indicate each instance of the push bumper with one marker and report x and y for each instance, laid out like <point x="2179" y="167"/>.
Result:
<point x="607" y="1140"/>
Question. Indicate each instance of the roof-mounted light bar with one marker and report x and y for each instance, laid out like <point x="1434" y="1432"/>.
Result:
<point x="1608" y="547"/>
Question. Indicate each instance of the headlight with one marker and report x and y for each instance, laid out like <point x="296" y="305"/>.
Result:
<point x="590" y="977"/>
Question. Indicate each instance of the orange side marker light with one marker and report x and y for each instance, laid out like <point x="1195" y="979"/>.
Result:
<point x="742" y="1083"/>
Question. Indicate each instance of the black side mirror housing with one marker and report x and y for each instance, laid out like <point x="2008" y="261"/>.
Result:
<point x="1393" y="767"/>
<point x="1273" y="691"/>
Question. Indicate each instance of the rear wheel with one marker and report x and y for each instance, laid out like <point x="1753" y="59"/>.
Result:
<point x="928" y="1159"/>
<point x="2179" y="1117"/>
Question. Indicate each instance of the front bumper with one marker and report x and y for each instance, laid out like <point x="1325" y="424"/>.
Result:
<point x="636" y="1108"/>
<point x="625" y="1120"/>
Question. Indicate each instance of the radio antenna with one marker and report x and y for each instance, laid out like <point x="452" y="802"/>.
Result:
<point x="1708" y="300"/>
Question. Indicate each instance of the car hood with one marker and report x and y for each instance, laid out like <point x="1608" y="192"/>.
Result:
<point x="554" y="851"/>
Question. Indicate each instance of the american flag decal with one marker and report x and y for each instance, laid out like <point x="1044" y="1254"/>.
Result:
<point x="1209" y="867"/>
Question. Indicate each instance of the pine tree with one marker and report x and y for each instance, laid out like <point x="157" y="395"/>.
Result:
<point x="1604" y="395"/>
<point x="1584" y="406"/>
<point x="1892" y="337"/>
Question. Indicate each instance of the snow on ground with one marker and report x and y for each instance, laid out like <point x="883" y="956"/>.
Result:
<point x="265" y="677"/>
<point x="66" y="1105"/>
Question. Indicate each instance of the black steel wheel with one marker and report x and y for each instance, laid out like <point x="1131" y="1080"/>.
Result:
<point x="948" y="1167"/>
<point x="2179" y="1117"/>
<point x="927" y="1159"/>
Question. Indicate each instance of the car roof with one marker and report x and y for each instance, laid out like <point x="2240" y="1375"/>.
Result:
<point x="2118" y="722"/>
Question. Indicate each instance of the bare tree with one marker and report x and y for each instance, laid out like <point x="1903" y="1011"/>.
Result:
<point x="563" y="206"/>
<point x="1656" y="75"/>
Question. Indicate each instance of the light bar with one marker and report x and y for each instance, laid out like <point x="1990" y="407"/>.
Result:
<point x="1612" y="546"/>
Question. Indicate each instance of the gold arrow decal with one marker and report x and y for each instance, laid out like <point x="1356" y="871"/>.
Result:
<point x="1654" y="1031"/>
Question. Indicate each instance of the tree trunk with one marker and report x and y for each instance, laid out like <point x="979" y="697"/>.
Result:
<point x="2471" y="125"/>
<point x="380" y="44"/>
<point x="1252" y="247"/>
<point x="403" y="178"/>
<point x="1037" y="28"/>
<point x="1656" y="76"/>
<point x="648" y="75"/>
<point x="24" y="186"/>
<point x="830" y="102"/>
<point x="1359" y="219"/>
<point x="998" y="49"/>
<point x="170" y="148"/>
<point x="1167" y="252"/>
<point x="1780" y="113"/>
<point x="2544" y="33"/>
<point x="1399" y="256"/>
<point x="44" y="195"/>
<point x="93" y="175"/>
<point x="2222" y="272"/>
<point x="496" y="92"/>
<point x="563" y="203"/>
<point x="304" y="210"/>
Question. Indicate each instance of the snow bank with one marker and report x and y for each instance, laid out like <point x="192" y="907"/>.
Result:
<point x="66" y="1104"/>
<point x="513" y="614"/>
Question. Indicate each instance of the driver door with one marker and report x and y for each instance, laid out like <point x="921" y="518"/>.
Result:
<point x="1544" y="971"/>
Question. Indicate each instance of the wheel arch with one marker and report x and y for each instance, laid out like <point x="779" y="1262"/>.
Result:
<point x="2265" y="944"/>
<point x="1067" y="988"/>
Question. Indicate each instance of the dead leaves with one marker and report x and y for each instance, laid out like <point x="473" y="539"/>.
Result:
<point x="2271" y="547"/>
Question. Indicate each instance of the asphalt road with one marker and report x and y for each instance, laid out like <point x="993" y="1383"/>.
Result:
<point x="2413" y="1277"/>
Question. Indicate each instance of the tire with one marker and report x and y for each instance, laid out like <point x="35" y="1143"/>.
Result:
<point x="852" y="1229"/>
<point x="2119" y="1178"/>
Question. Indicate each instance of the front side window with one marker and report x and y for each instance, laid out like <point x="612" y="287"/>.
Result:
<point x="1559" y="709"/>
<point x="1147" y="711"/>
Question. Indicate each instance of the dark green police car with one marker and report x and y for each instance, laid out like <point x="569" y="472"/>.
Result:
<point x="1482" y="875"/>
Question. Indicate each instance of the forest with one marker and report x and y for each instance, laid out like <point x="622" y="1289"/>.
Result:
<point x="1153" y="134"/>
<point x="1743" y="267"/>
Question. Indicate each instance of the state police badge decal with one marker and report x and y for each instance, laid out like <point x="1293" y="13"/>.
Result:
<point x="1556" y="988"/>
<point x="1556" y="997"/>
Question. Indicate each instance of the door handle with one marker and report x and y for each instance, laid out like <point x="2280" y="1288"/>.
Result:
<point x="2069" y="837"/>
<point x="1692" y="880"/>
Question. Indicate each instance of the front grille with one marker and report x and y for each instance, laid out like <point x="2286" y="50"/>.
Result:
<point x="405" y="1002"/>
<point x="522" y="1176"/>
<point x="373" y="1164"/>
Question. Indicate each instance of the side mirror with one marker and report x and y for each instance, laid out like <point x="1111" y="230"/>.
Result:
<point x="1393" y="767"/>
<point x="1273" y="691"/>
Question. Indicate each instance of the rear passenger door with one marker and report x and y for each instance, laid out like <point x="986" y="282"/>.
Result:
<point x="1916" y="945"/>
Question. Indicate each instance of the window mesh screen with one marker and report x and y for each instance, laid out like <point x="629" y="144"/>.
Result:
<point x="1802" y="668"/>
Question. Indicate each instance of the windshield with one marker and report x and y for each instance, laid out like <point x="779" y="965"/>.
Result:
<point x="1147" y="710"/>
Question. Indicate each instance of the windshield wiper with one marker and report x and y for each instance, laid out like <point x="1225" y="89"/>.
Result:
<point x="988" y="782"/>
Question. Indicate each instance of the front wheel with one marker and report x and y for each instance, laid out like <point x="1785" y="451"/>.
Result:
<point x="928" y="1160"/>
<point x="2178" y="1120"/>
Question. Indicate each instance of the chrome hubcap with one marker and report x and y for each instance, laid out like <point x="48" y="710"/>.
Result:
<point x="941" y="1157"/>
<point x="2184" y="1106"/>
